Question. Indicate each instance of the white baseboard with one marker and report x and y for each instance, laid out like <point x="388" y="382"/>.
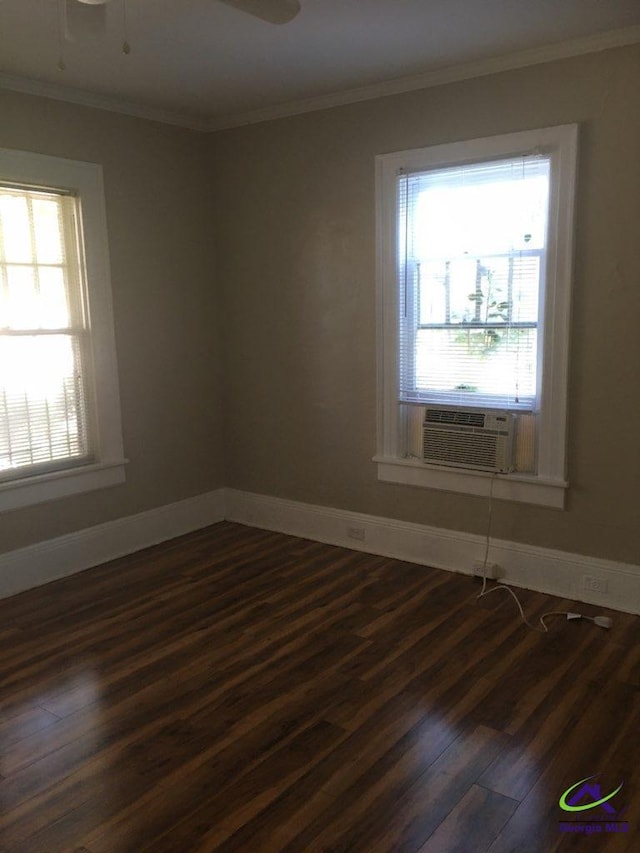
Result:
<point x="555" y="572"/>
<point x="541" y="569"/>
<point x="56" y="558"/>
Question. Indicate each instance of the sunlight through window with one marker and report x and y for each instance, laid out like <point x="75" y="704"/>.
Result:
<point x="43" y="396"/>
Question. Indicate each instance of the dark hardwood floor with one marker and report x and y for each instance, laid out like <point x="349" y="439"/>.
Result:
<point x="240" y="690"/>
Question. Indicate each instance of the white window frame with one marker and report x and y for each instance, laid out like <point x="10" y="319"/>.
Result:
<point x="108" y="466"/>
<point x="548" y="485"/>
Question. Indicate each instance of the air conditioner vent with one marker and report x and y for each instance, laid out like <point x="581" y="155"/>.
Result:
<point x="463" y="438"/>
<point x="459" y="417"/>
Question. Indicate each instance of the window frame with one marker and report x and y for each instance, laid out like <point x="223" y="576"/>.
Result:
<point x="85" y="181"/>
<point x="548" y="485"/>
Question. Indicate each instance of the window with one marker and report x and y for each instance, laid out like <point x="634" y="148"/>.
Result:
<point x="475" y="250"/>
<point x="472" y="249"/>
<point x="59" y="405"/>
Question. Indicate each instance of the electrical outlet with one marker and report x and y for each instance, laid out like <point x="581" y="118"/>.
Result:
<point x="593" y="584"/>
<point x="356" y="533"/>
<point x="492" y="571"/>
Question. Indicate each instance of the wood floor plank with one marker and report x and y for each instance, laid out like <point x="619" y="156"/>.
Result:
<point x="237" y="689"/>
<point x="589" y="746"/>
<point x="20" y="726"/>
<point x="472" y="824"/>
<point x="432" y="797"/>
<point x="542" y="734"/>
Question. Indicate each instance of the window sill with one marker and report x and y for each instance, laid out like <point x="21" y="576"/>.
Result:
<point x="524" y="488"/>
<point x="15" y="494"/>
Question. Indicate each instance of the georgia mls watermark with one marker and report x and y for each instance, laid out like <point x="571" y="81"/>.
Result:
<point x="585" y="800"/>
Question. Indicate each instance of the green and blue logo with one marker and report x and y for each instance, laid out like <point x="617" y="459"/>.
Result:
<point x="586" y="796"/>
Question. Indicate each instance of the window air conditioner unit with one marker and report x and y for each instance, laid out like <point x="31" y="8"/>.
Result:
<point x="480" y="439"/>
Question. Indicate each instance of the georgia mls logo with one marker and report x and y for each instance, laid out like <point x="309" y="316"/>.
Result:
<point x="586" y="799"/>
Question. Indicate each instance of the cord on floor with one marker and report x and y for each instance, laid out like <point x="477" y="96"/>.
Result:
<point x="601" y="621"/>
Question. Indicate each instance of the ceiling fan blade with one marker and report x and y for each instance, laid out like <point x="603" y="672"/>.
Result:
<point x="82" y="19"/>
<point x="273" y="11"/>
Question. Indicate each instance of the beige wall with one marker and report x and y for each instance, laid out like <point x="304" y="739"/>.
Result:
<point x="291" y="205"/>
<point x="295" y="237"/>
<point x="158" y="208"/>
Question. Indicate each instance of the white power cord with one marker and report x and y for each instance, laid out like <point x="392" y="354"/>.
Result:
<point x="601" y="621"/>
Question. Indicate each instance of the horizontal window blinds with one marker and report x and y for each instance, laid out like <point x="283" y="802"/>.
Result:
<point x="44" y="404"/>
<point x="471" y="254"/>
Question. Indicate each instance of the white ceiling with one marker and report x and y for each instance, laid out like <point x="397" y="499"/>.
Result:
<point x="203" y="64"/>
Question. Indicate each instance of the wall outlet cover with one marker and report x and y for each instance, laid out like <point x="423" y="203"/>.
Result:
<point x="492" y="571"/>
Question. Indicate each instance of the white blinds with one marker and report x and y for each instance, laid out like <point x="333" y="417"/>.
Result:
<point x="471" y="252"/>
<point x="43" y="397"/>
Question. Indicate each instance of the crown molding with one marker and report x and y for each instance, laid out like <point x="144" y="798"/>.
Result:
<point x="426" y="80"/>
<point x="430" y="79"/>
<point x="29" y="86"/>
